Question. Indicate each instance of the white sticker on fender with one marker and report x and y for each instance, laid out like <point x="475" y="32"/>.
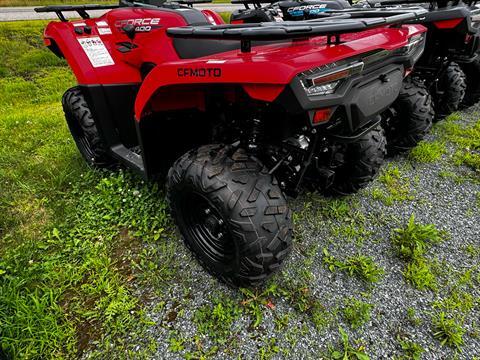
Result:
<point x="213" y="61"/>
<point x="104" y="31"/>
<point x="96" y="51"/>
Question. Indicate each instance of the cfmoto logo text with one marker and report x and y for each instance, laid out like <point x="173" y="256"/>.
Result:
<point x="199" y="72"/>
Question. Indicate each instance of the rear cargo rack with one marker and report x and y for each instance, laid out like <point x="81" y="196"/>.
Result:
<point x="80" y="9"/>
<point x="164" y="4"/>
<point x="340" y="22"/>
<point x="192" y="2"/>
<point x="256" y="3"/>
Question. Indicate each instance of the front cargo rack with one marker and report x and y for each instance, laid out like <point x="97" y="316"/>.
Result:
<point x="340" y="22"/>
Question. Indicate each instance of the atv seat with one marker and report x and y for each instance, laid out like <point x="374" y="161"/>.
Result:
<point x="192" y="17"/>
<point x="447" y="14"/>
<point x="196" y="48"/>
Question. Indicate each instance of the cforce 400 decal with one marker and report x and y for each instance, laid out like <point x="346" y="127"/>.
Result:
<point x="141" y="25"/>
<point x="311" y="9"/>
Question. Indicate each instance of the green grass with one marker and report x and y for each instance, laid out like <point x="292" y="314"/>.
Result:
<point x="413" y="240"/>
<point x="428" y="151"/>
<point x="448" y="331"/>
<point x="216" y="320"/>
<point x="224" y="14"/>
<point x="346" y="221"/>
<point x="411" y="350"/>
<point x="454" y="305"/>
<point x="357" y="312"/>
<point x="347" y="351"/>
<point x="395" y="186"/>
<point x="412" y="243"/>
<point x="412" y="316"/>
<point x="74" y="242"/>
<point x="420" y="275"/>
<point x="466" y="140"/>
<point x="458" y="301"/>
<point x="359" y="265"/>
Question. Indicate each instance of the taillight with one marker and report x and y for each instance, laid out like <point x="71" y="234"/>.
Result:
<point x="325" y="80"/>
<point x="447" y="24"/>
<point x="413" y="43"/>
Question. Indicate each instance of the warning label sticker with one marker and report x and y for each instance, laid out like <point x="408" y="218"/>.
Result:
<point x="96" y="51"/>
<point x="104" y="31"/>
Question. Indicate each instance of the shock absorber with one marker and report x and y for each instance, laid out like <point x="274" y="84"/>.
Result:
<point x="255" y="134"/>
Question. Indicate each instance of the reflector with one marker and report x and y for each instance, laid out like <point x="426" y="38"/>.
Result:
<point x="322" y="115"/>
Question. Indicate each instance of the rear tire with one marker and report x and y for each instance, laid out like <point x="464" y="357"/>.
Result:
<point x="472" y="73"/>
<point x="361" y="162"/>
<point x="451" y="91"/>
<point x="84" y="131"/>
<point x="231" y="212"/>
<point x="410" y="118"/>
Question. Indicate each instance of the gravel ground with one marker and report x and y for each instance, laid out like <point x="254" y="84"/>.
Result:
<point x="449" y="205"/>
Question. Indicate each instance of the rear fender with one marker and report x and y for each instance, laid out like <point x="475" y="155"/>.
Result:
<point x="178" y="86"/>
<point x="61" y="38"/>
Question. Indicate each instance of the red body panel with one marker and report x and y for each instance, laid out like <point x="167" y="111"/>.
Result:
<point x="273" y="66"/>
<point x="154" y="46"/>
<point x="263" y="72"/>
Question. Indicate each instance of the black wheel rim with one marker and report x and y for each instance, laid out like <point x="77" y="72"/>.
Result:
<point x="206" y="228"/>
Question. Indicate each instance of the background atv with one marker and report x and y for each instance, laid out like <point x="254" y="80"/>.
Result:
<point x="239" y="114"/>
<point x="449" y="66"/>
<point x="408" y="119"/>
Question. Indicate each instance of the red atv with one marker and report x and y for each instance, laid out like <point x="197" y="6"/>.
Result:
<point x="239" y="114"/>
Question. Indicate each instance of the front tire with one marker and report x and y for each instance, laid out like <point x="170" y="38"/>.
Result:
<point x="361" y="161"/>
<point x="231" y="212"/>
<point x="409" y="119"/>
<point x="84" y="131"/>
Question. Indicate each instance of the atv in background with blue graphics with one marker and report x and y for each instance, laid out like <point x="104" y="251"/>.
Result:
<point x="289" y="10"/>
<point x="450" y="65"/>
